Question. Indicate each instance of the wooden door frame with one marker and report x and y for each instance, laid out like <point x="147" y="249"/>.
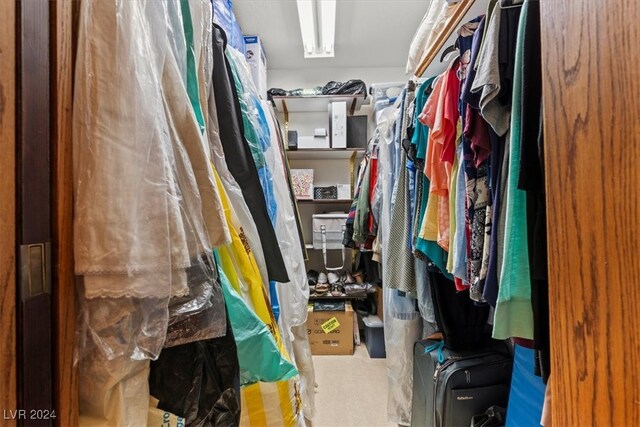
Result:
<point x="65" y="380"/>
<point x="8" y="334"/>
<point x="65" y="383"/>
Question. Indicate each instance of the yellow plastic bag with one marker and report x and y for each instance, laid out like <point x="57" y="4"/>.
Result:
<point x="272" y="404"/>
<point x="239" y="265"/>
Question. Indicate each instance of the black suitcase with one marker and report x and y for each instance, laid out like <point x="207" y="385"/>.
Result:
<point x="450" y="387"/>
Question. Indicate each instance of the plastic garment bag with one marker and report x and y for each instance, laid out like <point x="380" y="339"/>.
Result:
<point x="239" y="156"/>
<point x="402" y="328"/>
<point x="147" y="208"/>
<point x="147" y="211"/>
<point x="199" y="381"/>
<point x="293" y="296"/>
<point x="255" y="127"/>
<point x="272" y="404"/>
<point x="258" y="354"/>
<point x="237" y="262"/>
<point x="402" y="323"/>
<point x="233" y="191"/>
<point x="257" y="134"/>
<point x="304" y="362"/>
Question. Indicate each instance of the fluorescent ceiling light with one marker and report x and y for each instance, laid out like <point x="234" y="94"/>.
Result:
<point x="318" y="27"/>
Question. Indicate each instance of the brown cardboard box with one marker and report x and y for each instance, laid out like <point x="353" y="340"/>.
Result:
<point x="339" y="341"/>
<point x="379" y="303"/>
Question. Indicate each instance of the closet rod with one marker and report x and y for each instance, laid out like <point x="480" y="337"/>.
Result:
<point x="450" y="26"/>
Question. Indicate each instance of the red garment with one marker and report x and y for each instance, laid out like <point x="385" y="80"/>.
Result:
<point x="475" y="130"/>
<point x="460" y="286"/>
<point x="450" y="114"/>
<point x="373" y="167"/>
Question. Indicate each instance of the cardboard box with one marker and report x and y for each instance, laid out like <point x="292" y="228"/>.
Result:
<point x="257" y="60"/>
<point x="344" y="191"/>
<point x="379" y="302"/>
<point x="338" y="124"/>
<point x="336" y="337"/>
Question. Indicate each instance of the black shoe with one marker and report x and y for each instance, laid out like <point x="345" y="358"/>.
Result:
<point x="312" y="277"/>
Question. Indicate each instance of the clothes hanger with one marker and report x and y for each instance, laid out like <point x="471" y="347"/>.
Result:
<point x="514" y="3"/>
<point x="447" y="51"/>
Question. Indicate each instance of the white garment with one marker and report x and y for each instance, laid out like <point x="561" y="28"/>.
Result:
<point x="419" y="41"/>
<point x="431" y="27"/>
<point x="145" y="203"/>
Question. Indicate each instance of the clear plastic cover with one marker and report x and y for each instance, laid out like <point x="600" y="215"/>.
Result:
<point x="402" y="328"/>
<point x="147" y="207"/>
<point x="402" y="324"/>
<point x="256" y="129"/>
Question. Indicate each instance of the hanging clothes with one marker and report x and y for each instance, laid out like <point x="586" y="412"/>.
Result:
<point x="514" y="313"/>
<point x="399" y="259"/>
<point x="239" y="156"/>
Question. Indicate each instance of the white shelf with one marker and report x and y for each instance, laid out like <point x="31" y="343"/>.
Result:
<point x="326" y="201"/>
<point x="323" y="153"/>
<point x="318" y="103"/>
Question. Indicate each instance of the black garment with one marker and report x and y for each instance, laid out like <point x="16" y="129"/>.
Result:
<point x="238" y="155"/>
<point x="364" y="262"/>
<point x="199" y="381"/>
<point x="531" y="180"/>
<point x="196" y="316"/>
<point x="507" y="40"/>
<point x="461" y="321"/>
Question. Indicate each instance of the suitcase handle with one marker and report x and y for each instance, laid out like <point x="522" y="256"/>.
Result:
<point x="437" y="346"/>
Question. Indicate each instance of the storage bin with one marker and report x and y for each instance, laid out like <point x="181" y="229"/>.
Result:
<point x="374" y="337"/>
<point x="334" y="225"/>
<point x="325" y="193"/>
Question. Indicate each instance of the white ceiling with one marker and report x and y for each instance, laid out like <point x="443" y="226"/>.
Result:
<point x="369" y="33"/>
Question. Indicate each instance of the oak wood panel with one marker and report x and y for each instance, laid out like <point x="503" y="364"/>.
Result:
<point x="8" y="367"/>
<point x="65" y="374"/>
<point x="592" y="136"/>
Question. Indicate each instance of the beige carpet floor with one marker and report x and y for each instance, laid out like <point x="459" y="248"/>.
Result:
<point x="352" y="391"/>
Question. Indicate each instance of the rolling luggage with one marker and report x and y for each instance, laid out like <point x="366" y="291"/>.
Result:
<point x="451" y="387"/>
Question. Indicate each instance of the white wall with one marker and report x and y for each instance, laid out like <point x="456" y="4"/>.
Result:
<point x="289" y="79"/>
<point x="327" y="172"/>
<point x="308" y="78"/>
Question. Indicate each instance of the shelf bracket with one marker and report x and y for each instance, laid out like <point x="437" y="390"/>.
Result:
<point x="286" y="124"/>
<point x="352" y="110"/>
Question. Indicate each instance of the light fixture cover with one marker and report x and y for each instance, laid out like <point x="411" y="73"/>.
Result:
<point x="317" y="27"/>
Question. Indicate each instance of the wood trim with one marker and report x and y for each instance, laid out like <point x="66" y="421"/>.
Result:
<point x="432" y="51"/>
<point x="35" y="319"/>
<point x="8" y="354"/>
<point x="64" y="300"/>
<point x="592" y="147"/>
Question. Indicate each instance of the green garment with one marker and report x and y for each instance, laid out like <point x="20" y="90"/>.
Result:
<point x="514" y="314"/>
<point x="250" y="132"/>
<point x="363" y="208"/>
<point x="421" y="132"/>
<point x="258" y="354"/>
<point x="192" y="76"/>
